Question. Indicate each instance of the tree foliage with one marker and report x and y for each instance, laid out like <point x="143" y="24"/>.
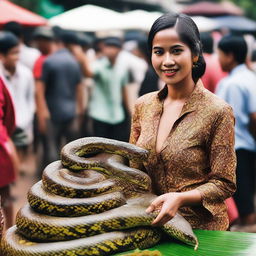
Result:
<point x="249" y="6"/>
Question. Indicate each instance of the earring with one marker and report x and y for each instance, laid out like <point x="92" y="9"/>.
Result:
<point x="195" y="65"/>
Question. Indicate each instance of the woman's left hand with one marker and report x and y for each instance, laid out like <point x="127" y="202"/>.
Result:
<point x="169" y="204"/>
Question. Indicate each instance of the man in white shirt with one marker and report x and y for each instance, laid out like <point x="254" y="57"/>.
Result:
<point x="20" y="82"/>
<point x="28" y="55"/>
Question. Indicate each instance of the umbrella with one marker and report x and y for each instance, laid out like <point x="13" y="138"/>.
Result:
<point x="87" y="18"/>
<point x="12" y="12"/>
<point x="92" y="18"/>
<point x="95" y="18"/>
<point x="210" y="9"/>
<point x="138" y="19"/>
<point x="236" y="23"/>
<point x="143" y="20"/>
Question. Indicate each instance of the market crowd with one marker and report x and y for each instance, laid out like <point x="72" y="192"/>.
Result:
<point x="63" y="85"/>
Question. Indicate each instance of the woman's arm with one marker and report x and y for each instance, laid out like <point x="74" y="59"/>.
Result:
<point x="222" y="178"/>
<point x="135" y="126"/>
<point x="169" y="204"/>
<point x="135" y="132"/>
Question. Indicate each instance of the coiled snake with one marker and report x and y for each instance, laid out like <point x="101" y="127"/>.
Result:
<point x="90" y="203"/>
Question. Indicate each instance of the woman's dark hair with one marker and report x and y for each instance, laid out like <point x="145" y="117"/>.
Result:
<point x="188" y="33"/>
<point x="235" y="45"/>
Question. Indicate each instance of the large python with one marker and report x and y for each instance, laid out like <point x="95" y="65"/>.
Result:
<point x="91" y="203"/>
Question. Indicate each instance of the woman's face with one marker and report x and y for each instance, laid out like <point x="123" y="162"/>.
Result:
<point x="171" y="58"/>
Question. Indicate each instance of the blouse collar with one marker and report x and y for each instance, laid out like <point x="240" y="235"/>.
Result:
<point x="193" y="101"/>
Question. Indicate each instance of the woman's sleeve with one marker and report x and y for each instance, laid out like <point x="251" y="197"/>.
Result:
<point x="135" y="133"/>
<point x="135" y="127"/>
<point x="222" y="179"/>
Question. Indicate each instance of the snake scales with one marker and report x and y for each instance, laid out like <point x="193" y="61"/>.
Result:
<point x="90" y="203"/>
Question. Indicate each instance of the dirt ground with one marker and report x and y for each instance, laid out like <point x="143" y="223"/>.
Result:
<point x="26" y="178"/>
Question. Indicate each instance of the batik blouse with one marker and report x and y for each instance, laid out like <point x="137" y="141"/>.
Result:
<point x="197" y="154"/>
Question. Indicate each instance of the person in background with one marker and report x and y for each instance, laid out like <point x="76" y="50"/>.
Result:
<point x="107" y="102"/>
<point x="20" y="82"/>
<point x="137" y="67"/>
<point x="88" y="56"/>
<point x="213" y="72"/>
<point x="45" y="43"/>
<point x="253" y="61"/>
<point x="28" y="55"/>
<point x="151" y="81"/>
<point x="188" y="131"/>
<point x="239" y="90"/>
<point x="58" y="99"/>
<point x="8" y="156"/>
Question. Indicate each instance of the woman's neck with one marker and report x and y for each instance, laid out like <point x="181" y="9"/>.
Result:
<point x="180" y="93"/>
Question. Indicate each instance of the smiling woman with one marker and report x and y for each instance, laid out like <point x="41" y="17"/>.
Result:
<point x="188" y="131"/>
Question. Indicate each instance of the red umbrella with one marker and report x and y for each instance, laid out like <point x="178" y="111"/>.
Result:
<point x="13" y="12"/>
<point x="211" y="9"/>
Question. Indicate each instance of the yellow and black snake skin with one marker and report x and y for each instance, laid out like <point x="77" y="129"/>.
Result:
<point x="91" y="203"/>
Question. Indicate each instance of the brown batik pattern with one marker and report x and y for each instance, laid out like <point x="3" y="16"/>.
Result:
<point x="198" y="153"/>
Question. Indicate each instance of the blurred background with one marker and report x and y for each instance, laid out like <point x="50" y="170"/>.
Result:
<point x="124" y="25"/>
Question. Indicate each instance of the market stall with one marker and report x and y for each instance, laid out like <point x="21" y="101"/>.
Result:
<point x="11" y="12"/>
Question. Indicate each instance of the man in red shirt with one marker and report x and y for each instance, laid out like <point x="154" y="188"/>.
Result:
<point x="213" y="72"/>
<point x="44" y="40"/>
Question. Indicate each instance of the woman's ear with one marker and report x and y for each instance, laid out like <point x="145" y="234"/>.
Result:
<point x="195" y="59"/>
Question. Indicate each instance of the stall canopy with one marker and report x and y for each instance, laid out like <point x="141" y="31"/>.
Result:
<point x="205" y="24"/>
<point x="90" y="18"/>
<point x="87" y="18"/>
<point x="12" y="12"/>
<point x="210" y="9"/>
<point x="138" y="19"/>
<point x="236" y="23"/>
<point x="93" y="18"/>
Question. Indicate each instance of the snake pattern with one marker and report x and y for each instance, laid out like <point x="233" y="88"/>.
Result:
<point x="91" y="203"/>
<point x="1" y="221"/>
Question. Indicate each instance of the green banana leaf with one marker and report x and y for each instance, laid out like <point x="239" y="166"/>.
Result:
<point x="211" y="243"/>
